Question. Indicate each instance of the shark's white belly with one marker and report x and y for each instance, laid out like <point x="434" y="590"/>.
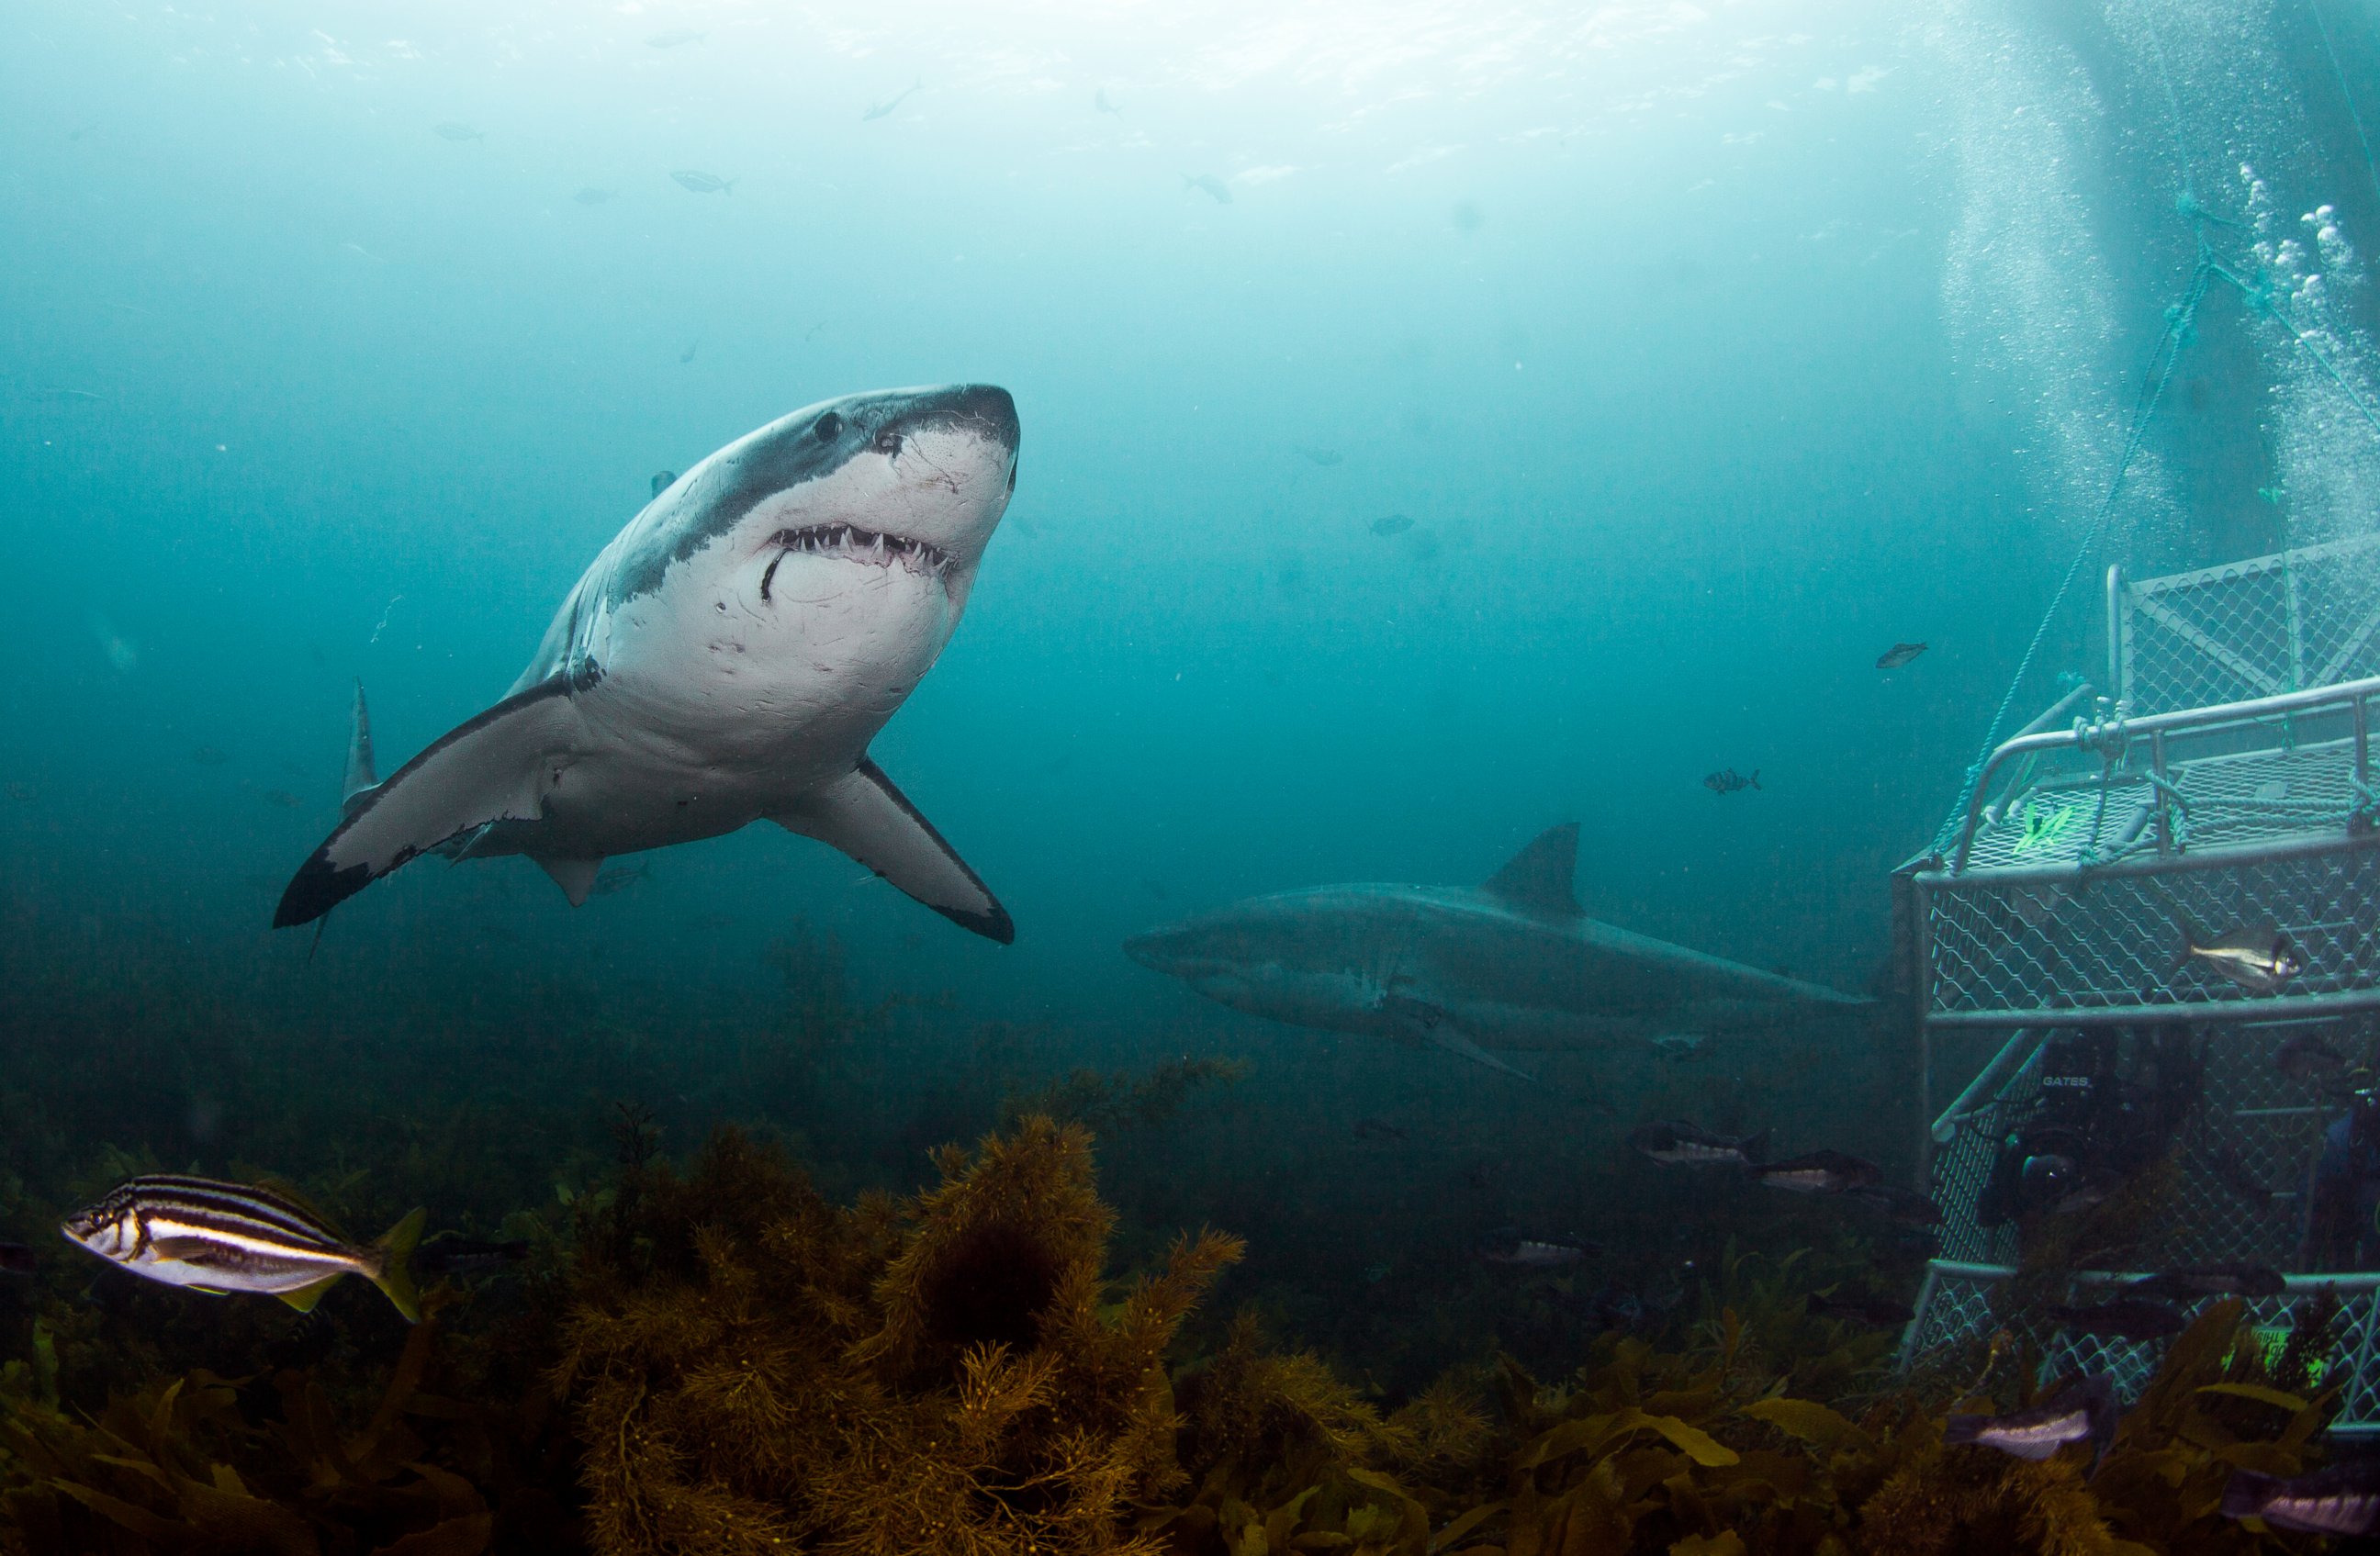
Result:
<point x="717" y="709"/>
<point x="726" y="659"/>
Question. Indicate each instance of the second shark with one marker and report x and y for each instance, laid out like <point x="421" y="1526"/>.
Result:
<point x="1515" y="965"/>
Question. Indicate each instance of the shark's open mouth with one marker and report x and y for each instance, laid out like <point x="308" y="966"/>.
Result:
<point x="851" y="543"/>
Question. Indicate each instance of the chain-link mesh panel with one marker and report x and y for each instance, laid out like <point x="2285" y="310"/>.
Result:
<point x="2263" y="795"/>
<point x="1959" y="1313"/>
<point x="2076" y="817"/>
<point x="2338" y="610"/>
<point x="1962" y="1168"/>
<point x="2111" y="937"/>
<point x="2240" y="1157"/>
<point x="2223" y="637"/>
<point x="2242" y="1154"/>
<point x="2251" y="629"/>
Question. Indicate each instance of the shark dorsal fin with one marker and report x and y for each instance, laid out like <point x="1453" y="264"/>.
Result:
<point x="1538" y="876"/>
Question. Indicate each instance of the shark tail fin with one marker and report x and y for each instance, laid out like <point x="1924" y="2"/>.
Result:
<point x="395" y="1277"/>
<point x="2187" y="939"/>
<point x="1756" y="778"/>
<point x="363" y="777"/>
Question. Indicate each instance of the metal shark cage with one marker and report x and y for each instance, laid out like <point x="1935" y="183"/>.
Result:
<point x="2224" y="779"/>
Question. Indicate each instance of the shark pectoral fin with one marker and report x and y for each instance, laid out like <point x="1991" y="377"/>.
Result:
<point x="1444" y="1034"/>
<point x="492" y="767"/>
<point x="865" y="816"/>
<point x="574" y="876"/>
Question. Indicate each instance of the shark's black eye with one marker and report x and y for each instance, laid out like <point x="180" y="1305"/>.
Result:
<point x="887" y="442"/>
<point x="829" y="427"/>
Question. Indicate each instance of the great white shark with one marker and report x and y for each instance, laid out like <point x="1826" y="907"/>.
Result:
<point x="1514" y="964"/>
<point x="726" y="660"/>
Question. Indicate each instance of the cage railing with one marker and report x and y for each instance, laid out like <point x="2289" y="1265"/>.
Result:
<point x="2115" y="736"/>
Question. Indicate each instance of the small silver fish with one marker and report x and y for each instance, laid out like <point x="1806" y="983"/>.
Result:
<point x="1531" y="1253"/>
<point x="2258" y="959"/>
<point x="2083" y="1412"/>
<point x="1898" y="655"/>
<point x="2341" y="1498"/>
<point x="1821" y="1171"/>
<point x="1099" y="101"/>
<point x="698" y="182"/>
<point x="673" y="38"/>
<point x="1208" y="184"/>
<point x="1688" y="1145"/>
<point x="2211" y="1280"/>
<point x="590" y="195"/>
<point x="451" y="130"/>
<point x="220" y="1237"/>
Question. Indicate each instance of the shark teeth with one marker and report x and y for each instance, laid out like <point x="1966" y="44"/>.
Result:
<point x="852" y="543"/>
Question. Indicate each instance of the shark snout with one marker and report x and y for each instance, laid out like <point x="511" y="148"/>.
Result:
<point x="985" y="410"/>
<point x="1177" y="953"/>
<point x="1151" y="951"/>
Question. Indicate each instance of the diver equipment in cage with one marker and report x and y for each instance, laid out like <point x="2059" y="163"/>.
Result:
<point x="2342" y="1217"/>
<point x="2091" y="1126"/>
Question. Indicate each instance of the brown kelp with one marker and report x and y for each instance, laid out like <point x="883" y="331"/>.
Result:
<point x="752" y="1368"/>
<point x="1107" y="1101"/>
<point x="720" y="1358"/>
<point x="436" y="1467"/>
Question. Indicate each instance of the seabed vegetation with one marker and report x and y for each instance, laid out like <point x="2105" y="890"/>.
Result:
<point x="713" y="1356"/>
<point x="764" y="1340"/>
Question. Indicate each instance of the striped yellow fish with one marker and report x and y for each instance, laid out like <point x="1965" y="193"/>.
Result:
<point x="220" y="1237"/>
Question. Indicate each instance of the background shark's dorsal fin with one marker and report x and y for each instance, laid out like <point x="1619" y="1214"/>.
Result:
<point x="1538" y="876"/>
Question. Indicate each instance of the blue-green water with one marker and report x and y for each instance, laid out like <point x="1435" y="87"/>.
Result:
<point x="1710" y="352"/>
